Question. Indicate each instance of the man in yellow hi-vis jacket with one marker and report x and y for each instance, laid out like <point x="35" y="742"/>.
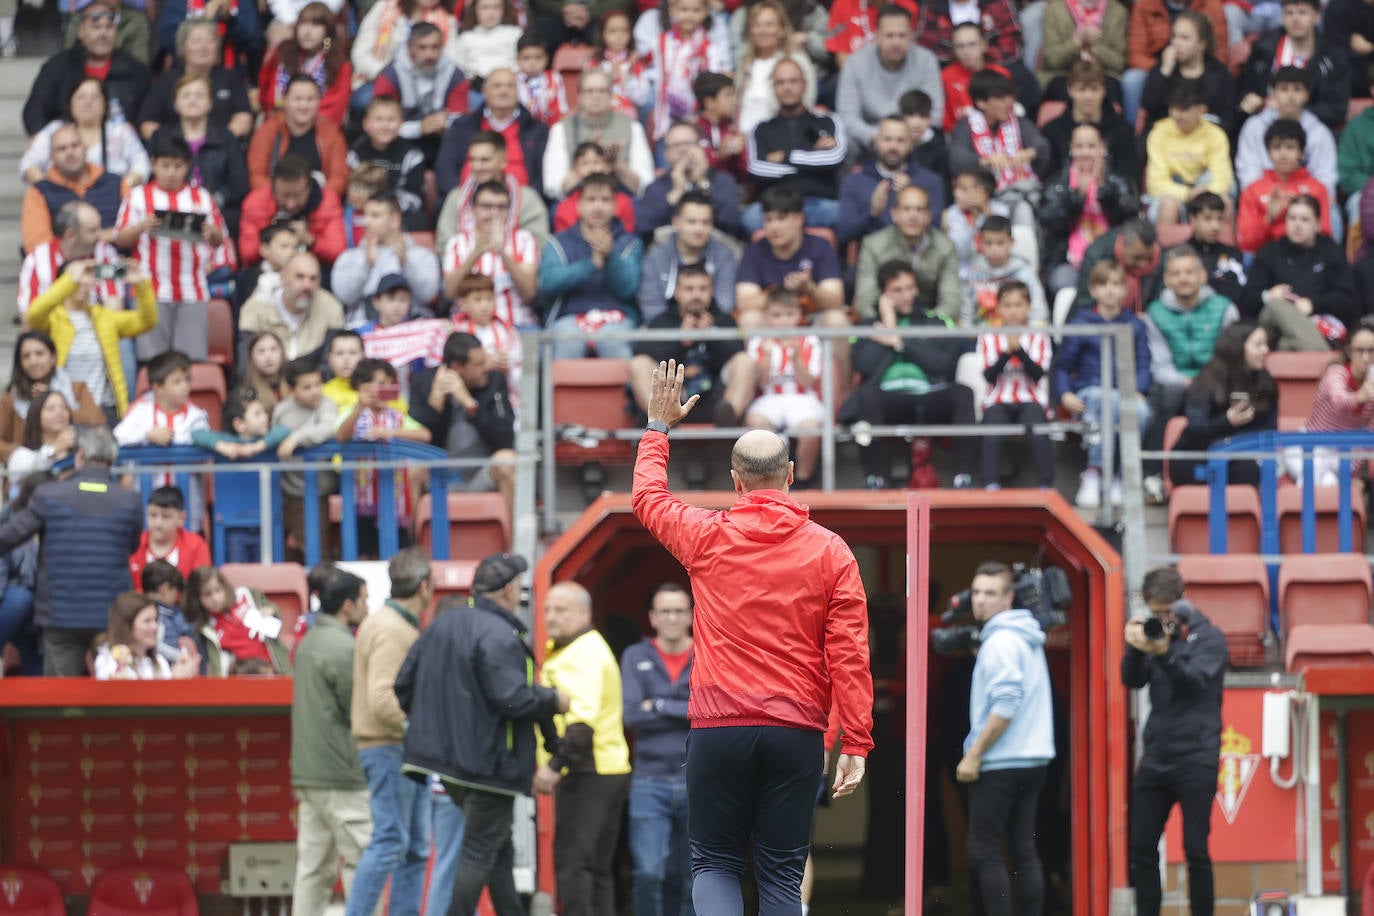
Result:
<point x="590" y="775"/>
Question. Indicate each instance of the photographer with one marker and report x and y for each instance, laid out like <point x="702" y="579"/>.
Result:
<point x="1009" y="746"/>
<point x="1182" y="658"/>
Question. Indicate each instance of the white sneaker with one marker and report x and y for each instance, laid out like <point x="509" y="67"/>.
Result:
<point x="1089" y="489"/>
<point x="1329" y="479"/>
<point x="1154" y="490"/>
<point x="1118" y="495"/>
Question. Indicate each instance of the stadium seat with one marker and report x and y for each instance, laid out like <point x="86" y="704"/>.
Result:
<point x="1238" y="53"/>
<point x="220" y="322"/>
<point x="590" y="393"/>
<point x="1063" y="306"/>
<point x="282" y="583"/>
<point x="1324" y="603"/>
<point x="1172" y="431"/>
<point x="1188" y="519"/>
<point x="1297" y="375"/>
<point x="1232" y="590"/>
<point x="570" y="61"/>
<point x="208" y="390"/>
<point x="1328" y="519"/>
<point x="452" y="579"/>
<point x="141" y="889"/>
<point x="478" y="525"/>
<point x="29" y="891"/>
<point x="1049" y="111"/>
<point x="1174" y="234"/>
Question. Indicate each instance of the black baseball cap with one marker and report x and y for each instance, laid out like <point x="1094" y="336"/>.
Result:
<point x="496" y="571"/>
<point x="391" y="283"/>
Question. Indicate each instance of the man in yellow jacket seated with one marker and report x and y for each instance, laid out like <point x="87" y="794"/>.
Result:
<point x="589" y="777"/>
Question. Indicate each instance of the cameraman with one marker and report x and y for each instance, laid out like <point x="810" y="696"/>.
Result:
<point x="1009" y="746"/>
<point x="1184" y="665"/>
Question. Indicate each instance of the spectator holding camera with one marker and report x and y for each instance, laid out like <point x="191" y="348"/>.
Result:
<point x="1010" y="744"/>
<point x="1177" y="653"/>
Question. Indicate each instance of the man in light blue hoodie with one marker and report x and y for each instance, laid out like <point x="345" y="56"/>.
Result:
<point x="1009" y="745"/>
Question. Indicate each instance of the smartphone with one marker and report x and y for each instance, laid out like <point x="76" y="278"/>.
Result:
<point x="104" y="272"/>
<point x="388" y="392"/>
<point x="1239" y="398"/>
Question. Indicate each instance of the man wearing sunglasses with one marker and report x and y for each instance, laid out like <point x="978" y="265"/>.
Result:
<point x="95" y="55"/>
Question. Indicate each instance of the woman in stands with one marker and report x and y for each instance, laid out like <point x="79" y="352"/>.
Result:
<point x="237" y="623"/>
<point x="49" y="433"/>
<point x="217" y="161"/>
<point x="35" y="373"/>
<point x="110" y="139"/>
<point x="86" y="331"/>
<point x="1232" y="395"/>
<point x="1345" y="403"/>
<point x="129" y="651"/>
<point x="1190" y="55"/>
<point x="315" y="48"/>
<point x="262" y="379"/>
<point x="768" y="39"/>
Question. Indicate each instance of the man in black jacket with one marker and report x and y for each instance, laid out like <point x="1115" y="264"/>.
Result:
<point x="1300" y="44"/>
<point x="466" y="408"/>
<point x="88" y="527"/>
<point x="525" y="136"/>
<point x="468" y="690"/>
<point x="906" y="380"/>
<point x="1184" y="669"/>
<point x="125" y="79"/>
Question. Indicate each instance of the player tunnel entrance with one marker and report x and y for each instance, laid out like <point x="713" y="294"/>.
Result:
<point x="931" y="543"/>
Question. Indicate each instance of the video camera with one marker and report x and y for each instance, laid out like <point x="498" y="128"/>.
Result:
<point x="1044" y="591"/>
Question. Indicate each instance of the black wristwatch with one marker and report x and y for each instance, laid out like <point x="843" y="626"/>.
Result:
<point x="657" y="426"/>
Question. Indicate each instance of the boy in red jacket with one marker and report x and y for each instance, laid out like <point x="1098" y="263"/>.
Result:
<point x="1264" y="203"/>
<point x="970" y="57"/>
<point x="166" y="537"/>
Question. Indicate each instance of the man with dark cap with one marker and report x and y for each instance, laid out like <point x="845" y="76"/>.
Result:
<point x="468" y="689"/>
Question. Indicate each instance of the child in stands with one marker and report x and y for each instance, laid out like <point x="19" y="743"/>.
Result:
<point x="165" y="537"/>
<point x="723" y="144"/>
<point x="342" y="355"/>
<point x="993" y="267"/>
<point x="1225" y="270"/>
<point x="310" y="417"/>
<point x="541" y="90"/>
<point x="995" y="138"/>
<point x="928" y="145"/>
<point x="614" y="52"/>
<point x="476" y="315"/>
<point x="238" y="624"/>
<point x="1264" y="204"/>
<point x="789" y="372"/>
<point x="164" y="583"/>
<point x="680" y="55"/>
<point x="247" y="433"/>
<point x="1186" y="155"/>
<point x="1013" y="365"/>
<point x="179" y="234"/>
<point x="973" y="205"/>
<point x="403" y="162"/>
<point x="970" y="57"/>
<point x="1078" y="382"/>
<point x="165" y="415"/>
<point x="366" y="181"/>
<point x="590" y="159"/>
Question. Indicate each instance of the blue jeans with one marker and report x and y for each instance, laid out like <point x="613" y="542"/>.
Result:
<point x="448" y="843"/>
<point x="608" y="349"/>
<point x="16" y="613"/>
<point x="658" y="847"/>
<point x="399" y="849"/>
<point x="819" y="211"/>
<point x="1132" y="88"/>
<point x="1093" y="398"/>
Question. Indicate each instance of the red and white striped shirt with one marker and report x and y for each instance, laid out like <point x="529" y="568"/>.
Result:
<point x="1336" y="408"/>
<point x="177" y="268"/>
<point x="1014" y="386"/>
<point x="777" y="373"/>
<point x="43" y="266"/>
<point x="521" y="247"/>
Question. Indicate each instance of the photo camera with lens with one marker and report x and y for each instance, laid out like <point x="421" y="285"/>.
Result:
<point x="1044" y="591"/>
<point x="103" y="272"/>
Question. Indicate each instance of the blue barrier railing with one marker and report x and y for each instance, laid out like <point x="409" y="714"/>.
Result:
<point x="247" y="493"/>
<point x="1270" y="446"/>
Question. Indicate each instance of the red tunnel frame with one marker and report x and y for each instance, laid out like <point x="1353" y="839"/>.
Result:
<point x="1099" y="809"/>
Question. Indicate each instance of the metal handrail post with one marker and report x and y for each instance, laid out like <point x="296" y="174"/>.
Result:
<point x="1106" y="437"/>
<point x="828" y="421"/>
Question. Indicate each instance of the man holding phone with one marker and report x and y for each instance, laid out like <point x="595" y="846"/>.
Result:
<point x="1177" y="653"/>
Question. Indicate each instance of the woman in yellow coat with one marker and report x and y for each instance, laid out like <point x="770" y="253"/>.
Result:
<point x="87" y="333"/>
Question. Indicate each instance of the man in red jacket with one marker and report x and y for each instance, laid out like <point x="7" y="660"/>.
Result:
<point x="293" y="199"/>
<point x="781" y="634"/>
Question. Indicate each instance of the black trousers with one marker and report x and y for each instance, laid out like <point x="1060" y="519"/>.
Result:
<point x="1153" y="794"/>
<point x="952" y="404"/>
<point x="745" y="781"/>
<point x="1002" y="803"/>
<point x="488" y="854"/>
<point x="1042" y="454"/>
<point x="587" y="812"/>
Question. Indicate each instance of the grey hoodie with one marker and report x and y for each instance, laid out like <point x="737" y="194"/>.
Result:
<point x="1011" y="679"/>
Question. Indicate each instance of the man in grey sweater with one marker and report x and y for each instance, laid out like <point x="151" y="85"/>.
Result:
<point x="874" y="78"/>
<point x="692" y="241"/>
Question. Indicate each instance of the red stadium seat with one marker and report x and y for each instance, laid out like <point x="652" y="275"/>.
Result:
<point x="590" y="393"/>
<point x="208" y="390"/>
<point x="283" y="584"/>
<point x="478" y="525"/>
<point x="1239" y="53"/>
<point x="1049" y="111"/>
<point x="1328" y="519"/>
<point x="1297" y="375"/>
<point x="1233" y="591"/>
<point x="28" y="891"/>
<point x="141" y="889"/>
<point x="1172" y="431"/>
<point x="1174" y="234"/>
<point x="452" y="579"/>
<point x="1324" y="603"/>
<point x="570" y="61"/>
<point x="220" y="320"/>
<point x="1188" y="519"/>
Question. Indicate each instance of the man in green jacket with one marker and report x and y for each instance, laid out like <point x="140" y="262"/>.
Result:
<point x="910" y="238"/>
<point x="334" y="819"/>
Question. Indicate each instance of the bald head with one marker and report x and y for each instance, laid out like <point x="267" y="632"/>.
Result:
<point x="759" y="462"/>
<point x="567" y="610"/>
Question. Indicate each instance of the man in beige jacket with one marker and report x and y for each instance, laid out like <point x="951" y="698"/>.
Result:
<point x="400" y="806"/>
